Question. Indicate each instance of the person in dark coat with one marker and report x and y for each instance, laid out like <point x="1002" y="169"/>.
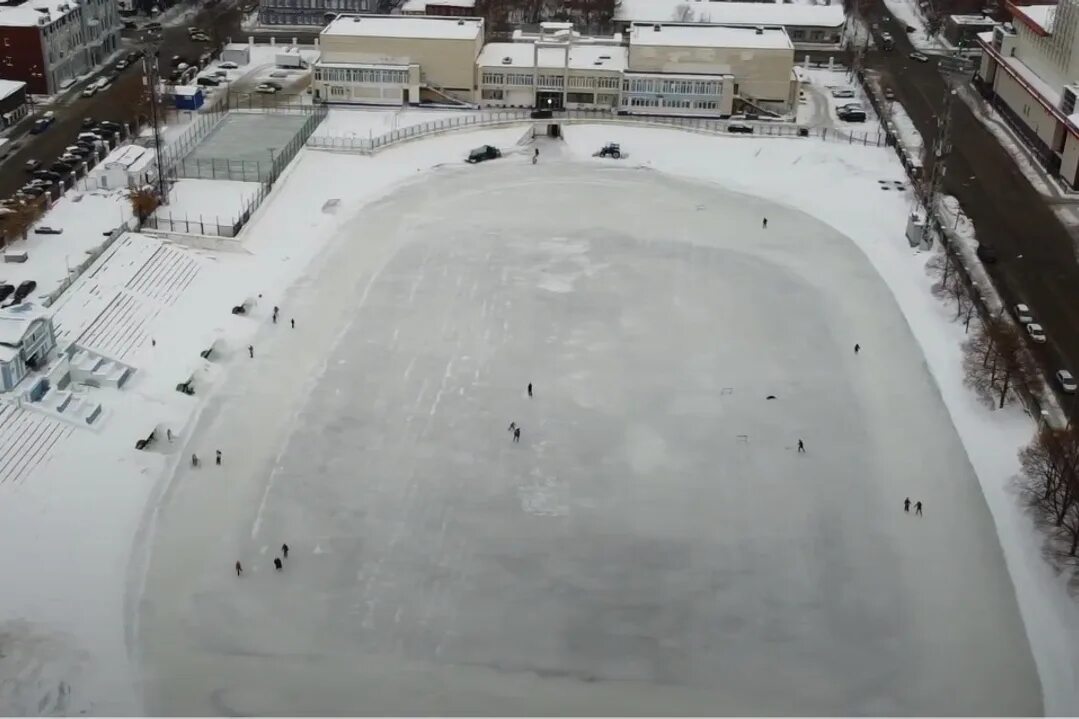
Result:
<point x="529" y="389"/>
<point x="277" y="563"/>
<point x="801" y="446"/>
<point x="251" y="351"/>
<point x="284" y="550"/>
<point x="517" y="434"/>
<point x="217" y="458"/>
<point x="239" y="569"/>
<point x="918" y="508"/>
<point x="906" y="504"/>
<point x="194" y="460"/>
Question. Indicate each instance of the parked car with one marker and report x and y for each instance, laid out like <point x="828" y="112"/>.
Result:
<point x="276" y="85"/>
<point x="265" y="89"/>
<point x="207" y="81"/>
<point x="889" y="94"/>
<point x="40" y="126"/>
<point x="46" y="230"/>
<point x="32" y="165"/>
<point x="919" y="56"/>
<point x="24" y="289"/>
<point x="228" y="65"/>
<point x="887" y="42"/>
<point x="1023" y="315"/>
<point x="200" y="37"/>
<point x="852" y="112"/>
<point x="129" y="24"/>
<point x="78" y="150"/>
<point x="122" y="65"/>
<point x="153" y="25"/>
<point x="6" y="291"/>
<point x="909" y="28"/>
<point x="1036" y="332"/>
<point x="278" y="73"/>
<point x="740" y="128"/>
<point x="90" y="90"/>
<point x="134" y="55"/>
<point x="487" y="152"/>
<point x="62" y="167"/>
<point x="221" y="74"/>
<point x="841" y="92"/>
<point x="48" y="175"/>
<point x="986" y="254"/>
<point x="1065" y="381"/>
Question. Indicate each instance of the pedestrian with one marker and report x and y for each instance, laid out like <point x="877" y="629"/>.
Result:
<point x="251" y="351"/>
<point x="764" y="224"/>
<point x="194" y="460"/>
<point x="217" y="459"/>
<point x="906" y="504"/>
<point x="801" y="446"/>
<point x="284" y="550"/>
<point x="535" y="156"/>
<point x="168" y="433"/>
<point x="153" y="342"/>
<point x="857" y="348"/>
<point x="918" y="508"/>
<point x="517" y="434"/>
<point x="277" y="563"/>
<point x="513" y="426"/>
<point x="529" y="389"/>
<point x="293" y="322"/>
<point x="239" y="569"/>
<point x="275" y="310"/>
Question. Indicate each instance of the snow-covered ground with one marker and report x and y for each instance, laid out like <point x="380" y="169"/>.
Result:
<point x="449" y="571"/>
<point x="368" y="123"/>
<point x="907" y="12"/>
<point x="821" y="104"/>
<point x="217" y="200"/>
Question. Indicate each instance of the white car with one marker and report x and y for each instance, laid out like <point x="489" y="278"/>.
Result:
<point x="1036" y="332"/>
<point x="228" y="65"/>
<point x="1066" y="381"/>
<point x="841" y="92"/>
<point x="266" y="89"/>
<point x="90" y="90"/>
<point x="919" y="57"/>
<point x="1023" y="314"/>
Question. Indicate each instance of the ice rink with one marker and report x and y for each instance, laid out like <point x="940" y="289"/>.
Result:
<point x="654" y="544"/>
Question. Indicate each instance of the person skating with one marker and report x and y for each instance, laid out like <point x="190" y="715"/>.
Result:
<point x="918" y="508"/>
<point x="277" y="563"/>
<point x="529" y="389"/>
<point x="194" y="460"/>
<point x="251" y="351"/>
<point x="217" y="458"/>
<point x="857" y="348"/>
<point x="535" y="156"/>
<point x="513" y="426"/>
<point x="293" y="323"/>
<point x="239" y="569"/>
<point x="517" y="434"/>
<point x="906" y="504"/>
<point x="801" y="446"/>
<point x="284" y="550"/>
<point x="764" y="224"/>
<point x="275" y="314"/>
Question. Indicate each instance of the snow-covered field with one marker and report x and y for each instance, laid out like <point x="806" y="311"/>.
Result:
<point x="368" y="123"/>
<point x="655" y="544"/>
<point x="216" y="200"/>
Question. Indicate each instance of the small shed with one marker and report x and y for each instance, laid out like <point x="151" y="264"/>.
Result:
<point x="188" y="97"/>
<point x="237" y="52"/>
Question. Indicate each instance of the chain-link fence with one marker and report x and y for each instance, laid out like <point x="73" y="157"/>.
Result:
<point x="693" y="124"/>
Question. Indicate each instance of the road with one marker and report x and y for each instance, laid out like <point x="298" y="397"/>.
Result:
<point x="1037" y="263"/>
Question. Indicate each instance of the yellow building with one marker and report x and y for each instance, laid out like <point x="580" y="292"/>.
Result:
<point x="398" y="59"/>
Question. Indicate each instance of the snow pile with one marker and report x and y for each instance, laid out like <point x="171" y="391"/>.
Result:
<point x="907" y="13"/>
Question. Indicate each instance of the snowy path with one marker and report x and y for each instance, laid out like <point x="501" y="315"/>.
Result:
<point x="634" y="554"/>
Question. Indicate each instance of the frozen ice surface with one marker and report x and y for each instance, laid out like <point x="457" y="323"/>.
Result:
<point x="654" y="545"/>
<point x="248" y="136"/>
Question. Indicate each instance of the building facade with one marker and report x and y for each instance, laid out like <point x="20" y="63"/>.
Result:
<point x="13" y="105"/>
<point x="48" y="43"/>
<point x="809" y="27"/>
<point x="442" y="8"/>
<point x="1029" y="71"/>
<point x="310" y="13"/>
<point x="398" y="59"/>
<point x="27" y="339"/>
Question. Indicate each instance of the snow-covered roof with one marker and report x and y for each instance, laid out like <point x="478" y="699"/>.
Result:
<point x="737" y="13"/>
<point x="420" y="6"/>
<point x="1038" y="16"/>
<point x="15" y="321"/>
<point x="424" y="27"/>
<point x="9" y="87"/>
<point x="32" y="12"/>
<point x="972" y="20"/>
<point x="132" y="158"/>
<point x="699" y="35"/>
<point x="186" y="90"/>
<point x="581" y="57"/>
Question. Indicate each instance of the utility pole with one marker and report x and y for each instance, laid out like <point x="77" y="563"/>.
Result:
<point x="151" y="81"/>
<point x="938" y="163"/>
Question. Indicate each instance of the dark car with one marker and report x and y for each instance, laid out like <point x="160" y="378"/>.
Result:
<point x="47" y="175"/>
<point x="487" y="152"/>
<point x="31" y="191"/>
<point x="32" y="165"/>
<point x="740" y="128"/>
<point x="129" y="24"/>
<point x="61" y="167"/>
<point x="88" y="122"/>
<point x="275" y="85"/>
<point x="46" y="230"/>
<point x="611" y="149"/>
<point x="134" y="55"/>
<point x="24" y="289"/>
<point x="986" y="254"/>
<point x="207" y="82"/>
<point x="6" y="291"/>
<point x="39" y="127"/>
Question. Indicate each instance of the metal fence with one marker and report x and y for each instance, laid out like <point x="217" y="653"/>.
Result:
<point x="91" y="257"/>
<point x="692" y="124"/>
<point x="165" y="221"/>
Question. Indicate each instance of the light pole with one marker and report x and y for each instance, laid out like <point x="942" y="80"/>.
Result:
<point x="151" y="80"/>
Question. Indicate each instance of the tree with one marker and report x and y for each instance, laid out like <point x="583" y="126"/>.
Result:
<point x="682" y="13"/>
<point x="951" y="286"/>
<point x="995" y="362"/>
<point x="1050" y="467"/>
<point x="144" y="201"/>
<point x="17" y="223"/>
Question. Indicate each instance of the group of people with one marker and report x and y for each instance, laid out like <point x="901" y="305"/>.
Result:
<point x="514" y="428"/>
<point x="278" y="562"/>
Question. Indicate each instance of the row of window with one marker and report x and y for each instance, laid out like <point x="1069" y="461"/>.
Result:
<point x="670" y="103"/>
<point x="349" y="5"/>
<point x="812" y="35"/>
<point x="583" y="98"/>
<point x="520" y="79"/>
<point x="362" y="75"/>
<point x="677" y="87"/>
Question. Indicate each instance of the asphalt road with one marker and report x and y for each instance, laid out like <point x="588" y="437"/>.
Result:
<point x="1036" y="253"/>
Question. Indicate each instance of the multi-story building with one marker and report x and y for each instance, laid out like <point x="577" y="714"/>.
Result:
<point x="27" y="339"/>
<point x="808" y="26"/>
<point x="398" y="59"/>
<point x="1030" y="72"/>
<point x="447" y="8"/>
<point x="308" y="13"/>
<point x="666" y="69"/>
<point x="48" y="43"/>
<point x="587" y="15"/>
<point x="13" y="105"/>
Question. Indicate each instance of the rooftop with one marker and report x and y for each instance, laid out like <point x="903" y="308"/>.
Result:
<point x="30" y="13"/>
<point x="9" y="87"/>
<point x="972" y="20"/>
<point x="1038" y="18"/>
<point x="15" y="321"/>
<point x="736" y="13"/>
<point x="406" y="26"/>
<point x="132" y="158"/>
<point x="581" y="57"/>
<point x="700" y="35"/>
<point x="420" y="6"/>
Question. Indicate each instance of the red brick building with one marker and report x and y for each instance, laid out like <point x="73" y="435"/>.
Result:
<point x="22" y="57"/>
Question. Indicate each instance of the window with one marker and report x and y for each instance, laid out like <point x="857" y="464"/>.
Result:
<point x="610" y="83"/>
<point x="519" y="78"/>
<point x="492" y="78"/>
<point x="582" y="81"/>
<point x="491" y="94"/>
<point x="581" y="97"/>
<point x="338" y="91"/>
<point x="608" y="100"/>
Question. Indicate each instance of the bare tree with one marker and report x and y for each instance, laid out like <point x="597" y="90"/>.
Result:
<point x="144" y="201"/>
<point x="995" y="362"/>
<point x="17" y="223"/>
<point x="682" y="13"/>
<point x="951" y="285"/>
<point x="1050" y="466"/>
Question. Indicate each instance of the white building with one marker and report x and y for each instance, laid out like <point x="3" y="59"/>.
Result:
<point x="808" y="26"/>
<point x="1030" y="72"/>
<point x="398" y="59"/>
<point x="26" y="341"/>
<point x="126" y="166"/>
